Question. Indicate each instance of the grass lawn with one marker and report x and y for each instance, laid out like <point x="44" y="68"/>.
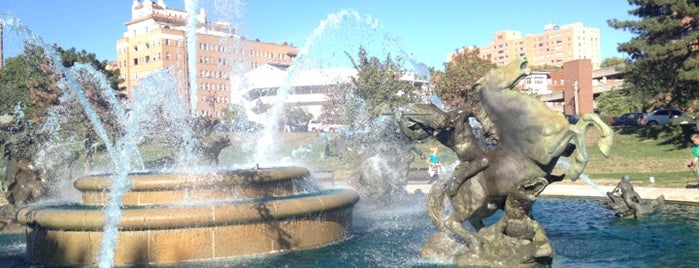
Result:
<point x="641" y="156"/>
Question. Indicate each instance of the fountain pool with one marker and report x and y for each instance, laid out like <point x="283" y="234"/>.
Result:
<point x="583" y="234"/>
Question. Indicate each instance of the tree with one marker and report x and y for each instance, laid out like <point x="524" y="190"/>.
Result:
<point x="28" y="78"/>
<point x="378" y="83"/>
<point x="545" y="67"/>
<point x="617" y="102"/>
<point x="33" y="78"/>
<point x="664" y="53"/>
<point x="612" y="61"/>
<point x="375" y="89"/>
<point x="453" y="85"/>
<point x="296" y="114"/>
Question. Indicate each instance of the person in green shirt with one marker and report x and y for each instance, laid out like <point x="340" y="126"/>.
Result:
<point x="433" y="161"/>
<point x="695" y="153"/>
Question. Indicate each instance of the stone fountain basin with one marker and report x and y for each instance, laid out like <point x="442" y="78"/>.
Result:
<point x="190" y="231"/>
<point x="175" y="188"/>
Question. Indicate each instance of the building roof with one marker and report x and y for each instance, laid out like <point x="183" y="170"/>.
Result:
<point x="268" y="76"/>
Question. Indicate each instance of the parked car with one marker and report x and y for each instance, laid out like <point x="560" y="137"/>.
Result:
<point x="296" y="126"/>
<point x="683" y="119"/>
<point x="324" y="126"/>
<point x="660" y="117"/>
<point x="572" y="118"/>
<point x="237" y="126"/>
<point x="627" y="119"/>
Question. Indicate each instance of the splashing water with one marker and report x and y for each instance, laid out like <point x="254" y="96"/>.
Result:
<point x="86" y="72"/>
<point x="69" y="82"/>
<point x="342" y="32"/>
<point x="583" y="176"/>
<point x="154" y="106"/>
<point x="192" y="54"/>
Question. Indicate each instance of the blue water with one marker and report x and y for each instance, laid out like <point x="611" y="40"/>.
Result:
<point x="582" y="233"/>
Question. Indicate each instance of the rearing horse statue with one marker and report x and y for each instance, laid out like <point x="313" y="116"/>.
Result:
<point x="531" y="139"/>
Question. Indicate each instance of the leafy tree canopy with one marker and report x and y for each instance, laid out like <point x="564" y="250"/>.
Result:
<point x="454" y="84"/>
<point x="545" y="67"/>
<point x="612" y="61"/>
<point x="378" y="83"/>
<point x="664" y="53"/>
<point x="617" y="102"/>
<point x="377" y="88"/>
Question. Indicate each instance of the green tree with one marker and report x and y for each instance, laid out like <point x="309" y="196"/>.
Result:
<point x="453" y="85"/>
<point x="617" y="102"/>
<point x="545" y="67"/>
<point x="234" y="112"/>
<point x="29" y="78"/>
<point x="377" y="88"/>
<point x="297" y="114"/>
<point x="664" y="53"/>
<point x="612" y="61"/>
<point x="33" y="79"/>
<point x="378" y="83"/>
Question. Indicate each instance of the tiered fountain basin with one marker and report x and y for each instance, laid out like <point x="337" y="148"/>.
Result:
<point x="172" y="218"/>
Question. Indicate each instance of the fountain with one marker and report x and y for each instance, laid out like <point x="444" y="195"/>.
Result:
<point x="129" y="216"/>
<point x="211" y="216"/>
<point x="172" y="218"/>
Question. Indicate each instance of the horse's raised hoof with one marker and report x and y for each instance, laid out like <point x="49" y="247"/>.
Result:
<point x="452" y="188"/>
<point x="476" y="246"/>
<point x="605" y="146"/>
<point x="398" y="115"/>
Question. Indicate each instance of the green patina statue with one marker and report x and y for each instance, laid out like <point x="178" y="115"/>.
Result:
<point x="530" y="140"/>
<point x="627" y="203"/>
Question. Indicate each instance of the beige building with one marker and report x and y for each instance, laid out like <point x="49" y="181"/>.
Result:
<point x="156" y="39"/>
<point x="554" y="46"/>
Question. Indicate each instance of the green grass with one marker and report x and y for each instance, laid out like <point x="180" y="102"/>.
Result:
<point x="642" y="153"/>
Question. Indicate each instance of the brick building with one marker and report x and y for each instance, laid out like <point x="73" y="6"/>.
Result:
<point x="156" y="39"/>
<point x="554" y="46"/>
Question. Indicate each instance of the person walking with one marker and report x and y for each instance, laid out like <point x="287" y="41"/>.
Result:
<point x="695" y="154"/>
<point x="433" y="161"/>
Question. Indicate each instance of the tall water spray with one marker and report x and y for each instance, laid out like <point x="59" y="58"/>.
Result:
<point x="338" y="35"/>
<point x="192" y="26"/>
<point x="68" y="82"/>
<point x="153" y="100"/>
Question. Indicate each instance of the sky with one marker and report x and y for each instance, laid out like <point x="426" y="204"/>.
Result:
<point x="426" y="31"/>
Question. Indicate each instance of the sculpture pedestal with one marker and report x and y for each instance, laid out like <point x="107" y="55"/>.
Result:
<point x="507" y="243"/>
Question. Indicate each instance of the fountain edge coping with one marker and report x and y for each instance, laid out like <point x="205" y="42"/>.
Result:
<point x="215" y="214"/>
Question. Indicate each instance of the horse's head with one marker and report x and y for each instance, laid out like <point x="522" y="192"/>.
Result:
<point x="505" y="77"/>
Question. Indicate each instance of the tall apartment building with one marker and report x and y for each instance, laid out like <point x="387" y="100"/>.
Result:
<point x="554" y="46"/>
<point x="156" y="39"/>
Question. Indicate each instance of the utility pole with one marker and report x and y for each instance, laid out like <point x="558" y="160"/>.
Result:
<point x="2" y="56"/>
<point x="576" y="92"/>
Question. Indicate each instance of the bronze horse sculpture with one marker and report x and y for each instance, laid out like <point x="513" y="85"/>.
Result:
<point x="530" y="140"/>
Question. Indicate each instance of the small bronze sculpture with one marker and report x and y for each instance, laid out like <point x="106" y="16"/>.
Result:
<point x="626" y="203"/>
<point x="530" y="139"/>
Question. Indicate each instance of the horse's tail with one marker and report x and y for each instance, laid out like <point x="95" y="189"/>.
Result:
<point x="435" y="203"/>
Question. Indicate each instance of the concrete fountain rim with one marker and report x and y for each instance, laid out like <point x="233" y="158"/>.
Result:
<point x="204" y="179"/>
<point x="202" y="214"/>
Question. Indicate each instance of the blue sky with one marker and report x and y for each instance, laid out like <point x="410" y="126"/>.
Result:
<point x="426" y="30"/>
